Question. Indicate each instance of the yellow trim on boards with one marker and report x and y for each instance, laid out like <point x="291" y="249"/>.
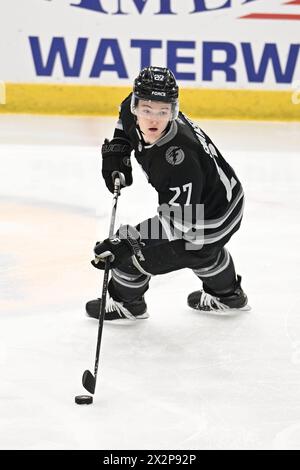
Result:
<point x="80" y="100"/>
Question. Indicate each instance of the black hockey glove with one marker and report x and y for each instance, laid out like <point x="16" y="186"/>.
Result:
<point x="126" y="243"/>
<point x="116" y="158"/>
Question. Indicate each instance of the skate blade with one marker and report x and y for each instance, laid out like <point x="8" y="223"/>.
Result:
<point x="128" y="321"/>
<point x="230" y="312"/>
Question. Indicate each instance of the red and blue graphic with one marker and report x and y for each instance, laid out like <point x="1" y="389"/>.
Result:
<point x="277" y="15"/>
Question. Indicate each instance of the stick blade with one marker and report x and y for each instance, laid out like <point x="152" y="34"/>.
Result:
<point x="88" y="381"/>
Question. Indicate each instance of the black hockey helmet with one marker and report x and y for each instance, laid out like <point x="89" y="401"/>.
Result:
<point x="156" y="84"/>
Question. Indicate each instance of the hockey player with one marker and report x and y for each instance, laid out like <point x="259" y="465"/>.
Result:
<point x="200" y="204"/>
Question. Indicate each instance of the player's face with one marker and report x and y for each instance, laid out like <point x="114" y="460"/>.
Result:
<point x="153" y="118"/>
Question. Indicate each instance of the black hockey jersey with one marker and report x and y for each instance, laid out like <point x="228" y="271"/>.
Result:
<point x="200" y="197"/>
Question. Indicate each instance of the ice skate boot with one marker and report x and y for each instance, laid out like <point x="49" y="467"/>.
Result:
<point x="237" y="300"/>
<point x="115" y="310"/>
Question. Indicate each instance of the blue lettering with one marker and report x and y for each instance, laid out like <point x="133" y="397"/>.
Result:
<point x="93" y="5"/>
<point x="57" y="48"/>
<point x="165" y="7"/>
<point x="173" y="59"/>
<point x="270" y="54"/>
<point x="140" y="5"/>
<point x="146" y="45"/>
<point x="117" y="66"/>
<point x="201" y="5"/>
<point x="209" y="66"/>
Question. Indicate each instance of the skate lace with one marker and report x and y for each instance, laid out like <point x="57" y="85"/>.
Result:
<point x="207" y="300"/>
<point x="112" y="305"/>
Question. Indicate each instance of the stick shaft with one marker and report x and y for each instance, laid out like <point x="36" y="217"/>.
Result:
<point x="106" y="277"/>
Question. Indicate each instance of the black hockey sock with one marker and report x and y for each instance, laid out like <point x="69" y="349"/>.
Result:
<point x="126" y="287"/>
<point x="220" y="277"/>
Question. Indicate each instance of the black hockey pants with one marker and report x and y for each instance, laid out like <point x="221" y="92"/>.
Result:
<point x="212" y="264"/>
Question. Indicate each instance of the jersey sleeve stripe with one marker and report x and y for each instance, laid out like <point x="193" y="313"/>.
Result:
<point x="201" y="225"/>
<point x="205" y="239"/>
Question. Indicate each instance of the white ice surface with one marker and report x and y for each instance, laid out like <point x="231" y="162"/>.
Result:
<point x="181" y="379"/>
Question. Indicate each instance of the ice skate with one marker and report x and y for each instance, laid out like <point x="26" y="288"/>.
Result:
<point x="114" y="310"/>
<point x="201" y="300"/>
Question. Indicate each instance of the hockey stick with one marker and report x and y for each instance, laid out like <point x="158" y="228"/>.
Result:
<point x="88" y="379"/>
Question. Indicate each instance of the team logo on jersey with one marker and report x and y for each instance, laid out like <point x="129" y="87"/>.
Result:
<point x="175" y="155"/>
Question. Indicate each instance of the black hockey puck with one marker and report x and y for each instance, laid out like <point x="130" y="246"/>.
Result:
<point x="83" y="399"/>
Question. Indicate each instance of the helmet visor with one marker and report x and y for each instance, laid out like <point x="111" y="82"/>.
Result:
<point x="154" y="109"/>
